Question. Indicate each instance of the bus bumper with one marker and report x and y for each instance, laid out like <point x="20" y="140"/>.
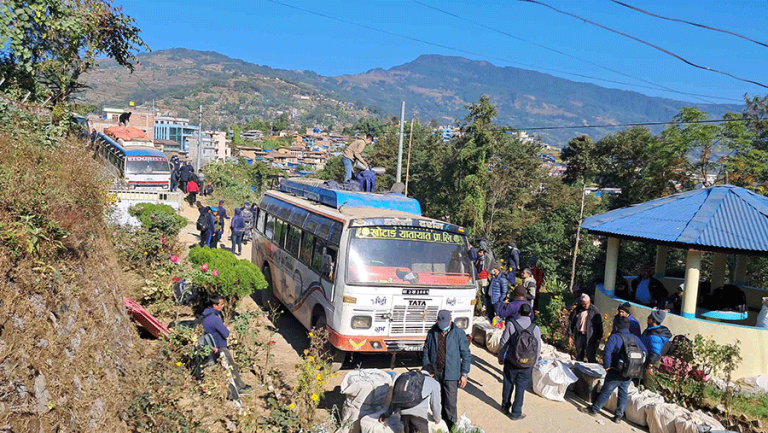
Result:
<point x="377" y="344"/>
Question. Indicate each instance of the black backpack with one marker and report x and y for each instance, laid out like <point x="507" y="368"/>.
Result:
<point x="407" y="390"/>
<point x="632" y="359"/>
<point x="524" y="350"/>
<point x="203" y="222"/>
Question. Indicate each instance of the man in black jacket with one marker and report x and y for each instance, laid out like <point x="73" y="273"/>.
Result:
<point x="585" y="329"/>
<point x="647" y="290"/>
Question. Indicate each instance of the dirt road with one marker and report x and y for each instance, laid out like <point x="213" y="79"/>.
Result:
<point x="190" y="236"/>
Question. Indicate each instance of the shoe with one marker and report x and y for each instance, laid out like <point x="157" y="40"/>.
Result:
<point x="617" y="419"/>
<point x="245" y="390"/>
<point x="505" y="408"/>
<point x="588" y="410"/>
<point x="517" y="418"/>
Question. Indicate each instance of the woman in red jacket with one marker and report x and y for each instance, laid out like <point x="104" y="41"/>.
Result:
<point x="192" y="190"/>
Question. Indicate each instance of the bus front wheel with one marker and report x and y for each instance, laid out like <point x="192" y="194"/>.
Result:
<point x="336" y="357"/>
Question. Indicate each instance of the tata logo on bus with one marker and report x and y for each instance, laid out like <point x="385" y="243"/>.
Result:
<point x="417" y="303"/>
<point x="415" y="291"/>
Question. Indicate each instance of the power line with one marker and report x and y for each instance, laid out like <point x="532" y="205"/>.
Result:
<point x="656" y="47"/>
<point x="572" y="56"/>
<point x="703" y="26"/>
<point x="616" y="125"/>
<point x="434" y="44"/>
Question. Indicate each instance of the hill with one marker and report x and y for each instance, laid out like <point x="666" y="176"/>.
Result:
<point x="433" y="86"/>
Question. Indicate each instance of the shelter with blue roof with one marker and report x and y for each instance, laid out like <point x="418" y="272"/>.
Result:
<point x="722" y="220"/>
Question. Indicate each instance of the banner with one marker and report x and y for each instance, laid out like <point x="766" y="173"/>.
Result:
<point x="409" y="234"/>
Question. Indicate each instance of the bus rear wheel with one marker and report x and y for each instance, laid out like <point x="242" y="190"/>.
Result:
<point x="268" y="299"/>
<point x="336" y="357"/>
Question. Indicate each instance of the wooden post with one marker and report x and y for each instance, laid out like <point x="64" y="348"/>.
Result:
<point x="408" y="164"/>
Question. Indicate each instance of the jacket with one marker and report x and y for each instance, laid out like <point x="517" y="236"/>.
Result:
<point x="222" y="214"/>
<point x="538" y="275"/>
<point x="432" y="401"/>
<point x="614" y="346"/>
<point x="473" y="254"/>
<point x="657" y="290"/>
<point x="212" y="324"/>
<point x="654" y="338"/>
<point x="514" y="259"/>
<point x="238" y="222"/>
<point x="530" y="287"/>
<point x="192" y="187"/>
<point x="594" y="323"/>
<point x="457" y="356"/>
<point x="510" y="310"/>
<point x="184" y="172"/>
<point x="498" y="289"/>
<point x="634" y="325"/>
<point x="509" y="332"/>
<point x="354" y="150"/>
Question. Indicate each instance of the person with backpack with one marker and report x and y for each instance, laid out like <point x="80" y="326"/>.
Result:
<point x="511" y="309"/>
<point x="497" y="292"/>
<point x="214" y="325"/>
<point x="238" y="230"/>
<point x="414" y="395"/>
<point x="446" y="349"/>
<point x="520" y="349"/>
<point x="624" y="360"/>
<point x="204" y="225"/>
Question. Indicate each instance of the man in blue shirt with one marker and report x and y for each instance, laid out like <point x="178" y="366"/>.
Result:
<point x="647" y="290"/>
<point x="613" y="379"/>
<point x="212" y="324"/>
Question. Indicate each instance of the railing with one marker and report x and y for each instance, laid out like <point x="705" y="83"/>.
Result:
<point x="172" y="199"/>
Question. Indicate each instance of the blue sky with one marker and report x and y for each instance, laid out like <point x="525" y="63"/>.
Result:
<point x="271" y="34"/>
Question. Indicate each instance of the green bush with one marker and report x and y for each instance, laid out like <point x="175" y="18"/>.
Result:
<point x="232" y="182"/>
<point x="159" y="218"/>
<point x="221" y="273"/>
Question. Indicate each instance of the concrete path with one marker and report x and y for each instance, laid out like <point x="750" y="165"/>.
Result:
<point x="190" y="236"/>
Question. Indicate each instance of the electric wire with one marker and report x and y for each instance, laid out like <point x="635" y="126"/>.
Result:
<point x="555" y="50"/>
<point x="703" y="26"/>
<point x="434" y="44"/>
<point x="656" y="47"/>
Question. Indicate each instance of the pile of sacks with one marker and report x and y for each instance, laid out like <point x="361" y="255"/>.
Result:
<point x="368" y="393"/>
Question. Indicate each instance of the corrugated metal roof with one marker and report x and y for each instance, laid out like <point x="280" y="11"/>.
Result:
<point x="726" y="217"/>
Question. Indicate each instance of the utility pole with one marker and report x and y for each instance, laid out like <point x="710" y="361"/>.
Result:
<point x="199" y="138"/>
<point x="400" y="145"/>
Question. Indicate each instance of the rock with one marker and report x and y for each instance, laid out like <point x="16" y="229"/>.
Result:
<point x="77" y="387"/>
<point x="36" y="301"/>
<point x="720" y="408"/>
<point x="3" y="346"/>
<point x="231" y="426"/>
<point x="755" y="423"/>
<point x="97" y="410"/>
<point x="90" y="381"/>
<point x="42" y="343"/>
<point x="18" y="322"/>
<point x="54" y="321"/>
<point x="42" y="396"/>
<point x="74" y="342"/>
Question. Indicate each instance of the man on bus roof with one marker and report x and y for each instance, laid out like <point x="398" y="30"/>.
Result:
<point x="353" y="152"/>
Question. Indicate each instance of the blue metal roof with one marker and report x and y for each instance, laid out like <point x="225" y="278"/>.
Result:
<point x="717" y="218"/>
<point x="315" y="190"/>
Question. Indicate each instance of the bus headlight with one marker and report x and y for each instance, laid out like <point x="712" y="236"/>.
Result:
<point x="461" y="322"/>
<point x="361" y="322"/>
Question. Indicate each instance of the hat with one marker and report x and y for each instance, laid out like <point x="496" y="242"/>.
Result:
<point x="658" y="316"/>
<point x="520" y="291"/>
<point x="622" y="323"/>
<point x="681" y="288"/>
<point x="443" y="318"/>
<point x="221" y="201"/>
<point x="533" y="261"/>
<point x="246" y="204"/>
<point x="625" y="306"/>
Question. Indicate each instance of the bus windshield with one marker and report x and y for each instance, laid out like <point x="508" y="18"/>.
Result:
<point x="147" y="167"/>
<point x="408" y="256"/>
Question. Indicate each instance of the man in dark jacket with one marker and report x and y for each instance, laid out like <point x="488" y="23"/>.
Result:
<point x="634" y="324"/>
<point x="212" y="324"/>
<point x="447" y="351"/>
<point x="513" y="263"/>
<point x="515" y="377"/>
<point x="674" y="302"/>
<point x="174" y="178"/>
<point x="585" y="329"/>
<point x="647" y="290"/>
<point x="238" y="230"/>
<point x="497" y="292"/>
<point x="511" y="309"/>
<point x="207" y="232"/>
<point x="184" y="174"/>
<point x="613" y="379"/>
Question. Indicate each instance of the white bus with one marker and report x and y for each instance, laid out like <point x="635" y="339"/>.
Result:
<point x="138" y="164"/>
<point x="366" y="266"/>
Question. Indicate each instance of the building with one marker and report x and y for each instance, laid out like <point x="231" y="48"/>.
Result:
<point x="253" y="135"/>
<point x="255" y="154"/>
<point x="220" y="144"/>
<point x="168" y="145"/>
<point x="175" y="129"/>
<point x="141" y="118"/>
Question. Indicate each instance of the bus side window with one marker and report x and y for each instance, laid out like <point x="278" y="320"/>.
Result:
<point x="307" y="242"/>
<point x="270" y="230"/>
<point x="324" y="260"/>
<point x="331" y="267"/>
<point x="293" y="240"/>
<point x="281" y="227"/>
<point x="261" y="220"/>
<point x="317" y="256"/>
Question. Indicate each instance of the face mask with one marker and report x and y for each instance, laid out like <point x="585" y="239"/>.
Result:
<point x="446" y="328"/>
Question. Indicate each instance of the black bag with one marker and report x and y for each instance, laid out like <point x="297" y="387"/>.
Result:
<point x="202" y="360"/>
<point x="524" y="350"/>
<point x="203" y="222"/>
<point x="407" y="390"/>
<point x="632" y="360"/>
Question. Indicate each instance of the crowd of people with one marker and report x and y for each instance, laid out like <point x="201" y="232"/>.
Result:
<point x="212" y="220"/>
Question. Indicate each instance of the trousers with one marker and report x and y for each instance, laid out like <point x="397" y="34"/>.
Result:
<point x="613" y="381"/>
<point x="516" y="379"/>
<point x="414" y="424"/>
<point x="449" y="394"/>
<point x="585" y="348"/>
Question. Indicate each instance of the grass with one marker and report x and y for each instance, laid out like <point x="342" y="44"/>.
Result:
<point x="751" y="406"/>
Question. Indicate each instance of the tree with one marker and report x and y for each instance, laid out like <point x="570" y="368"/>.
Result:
<point x="236" y="135"/>
<point x="582" y="162"/>
<point x="280" y="123"/>
<point x="367" y="125"/>
<point x="333" y="170"/>
<point x="48" y="44"/>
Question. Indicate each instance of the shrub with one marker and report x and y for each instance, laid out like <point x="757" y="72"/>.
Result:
<point x="313" y="373"/>
<point x="158" y="218"/>
<point x="145" y="250"/>
<point x="234" y="277"/>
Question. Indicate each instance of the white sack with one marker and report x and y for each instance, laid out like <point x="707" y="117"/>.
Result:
<point x="697" y="422"/>
<point x="551" y="379"/>
<point x="662" y="416"/>
<point x="762" y="317"/>
<point x="637" y="403"/>
<point x="495" y="341"/>
<point x="370" y="423"/>
<point x="367" y="391"/>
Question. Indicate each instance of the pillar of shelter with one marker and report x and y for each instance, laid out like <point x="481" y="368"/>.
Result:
<point x="718" y="270"/>
<point x="611" y="264"/>
<point x="740" y="275"/>
<point x="661" y="262"/>
<point x="692" y="273"/>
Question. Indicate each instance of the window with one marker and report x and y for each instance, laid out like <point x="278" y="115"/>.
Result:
<point x="293" y="240"/>
<point x="324" y="260"/>
<point x="270" y="229"/>
<point x="281" y="228"/>
<point x="307" y="242"/>
<point x="261" y="218"/>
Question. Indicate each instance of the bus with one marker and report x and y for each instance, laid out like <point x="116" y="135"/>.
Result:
<point x="367" y="267"/>
<point x="138" y="164"/>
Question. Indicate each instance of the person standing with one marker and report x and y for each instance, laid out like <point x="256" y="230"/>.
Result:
<point x="538" y="275"/>
<point x="513" y="262"/>
<point x="201" y="181"/>
<point x="354" y="151"/>
<point x="634" y="324"/>
<point x="613" y="362"/>
<point x="497" y="292"/>
<point x="416" y="419"/>
<point x="204" y="224"/>
<point x="511" y="310"/>
<point x="247" y="220"/>
<point x="585" y="329"/>
<point x="647" y="290"/>
<point x="217" y="229"/>
<point x="184" y="174"/>
<point x="446" y="349"/>
<point x="174" y="178"/>
<point x="238" y="230"/>
<point x="529" y="283"/>
<point x="192" y="191"/>
<point x="214" y="325"/>
<point x="520" y="349"/>
<point x="655" y="335"/>
<point x="481" y="265"/>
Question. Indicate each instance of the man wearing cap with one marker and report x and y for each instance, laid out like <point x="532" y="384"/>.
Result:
<point x="674" y="302"/>
<point x="497" y="291"/>
<point x="447" y="351"/>
<point x="655" y="335"/>
<point x="585" y="329"/>
<point x="511" y="309"/>
<point x="634" y="324"/>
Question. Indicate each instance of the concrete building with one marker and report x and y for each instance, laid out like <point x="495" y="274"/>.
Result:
<point x="141" y="118"/>
<point x="253" y="135"/>
<point x="175" y="129"/>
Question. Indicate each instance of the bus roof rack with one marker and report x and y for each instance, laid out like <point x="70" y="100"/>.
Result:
<point x="319" y="191"/>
